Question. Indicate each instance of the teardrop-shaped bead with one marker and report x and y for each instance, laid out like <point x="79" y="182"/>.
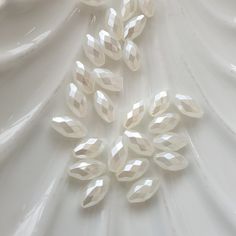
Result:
<point x="132" y="170"/>
<point x="93" y="3"/>
<point x="118" y="155"/>
<point x="76" y="101"/>
<point x="188" y="106"/>
<point x="114" y="24"/>
<point x="172" y="161"/>
<point x="86" y="169"/>
<point x="95" y="191"/>
<point x="164" y="123"/>
<point x="93" y="50"/>
<point x="160" y="103"/>
<point x="131" y="55"/>
<point x="110" y="45"/>
<point x="134" y="27"/>
<point x="108" y="80"/>
<point x="104" y="106"/>
<point x="143" y="190"/>
<point x="138" y="143"/>
<point x="83" y="77"/>
<point x="129" y="7"/>
<point x="147" y="7"/>
<point x="69" y="127"/>
<point x="135" y="115"/>
<point x="170" y="141"/>
<point x="89" y="148"/>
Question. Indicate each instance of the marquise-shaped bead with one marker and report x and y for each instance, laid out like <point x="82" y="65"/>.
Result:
<point x="93" y="50"/>
<point x="143" y="190"/>
<point x="128" y="9"/>
<point x="135" y="115"/>
<point x="69" y="127"/>
<point x="89" y="148"/>
<point x="131" y="55"/>
<point x="104" y="106"/>
<point x="86" y="169"/>
<point x="95" y="191"/>
<point x="188" y="106"/>
<point x="171" y="161"/>
<point x="108" y="80"/>
<point x="147" y="7"/>
<point x="93" y="3"/>
<point x="164" y="123"/>
<point x="138" y="143"/>
<point x="132" y="170"/>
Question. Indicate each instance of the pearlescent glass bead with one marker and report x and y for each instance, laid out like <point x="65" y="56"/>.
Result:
<point x="95" y="191"/>
<point x="110" y="45"/>
<point x="134" y="27"/>
<point x="129" y="7"/>
<point x="147" y="7"/>
<point x="160" y="103"/>
<point x="76" y="101"/>
<point x="132" y="170"/>
<point x="93" y="3"/>
<point x="114" y="24"/>
<point x="138" y="143"/>
<point x="164" y="123"/>
<point x="93" y="50"/>
<point x="172" y="161"/>
<point x="108" y="80"/>
<point x="104" y="106"/>
<point x="143" y="190"/>
<point x="86" y="169"/>
<point x="170" y="141"/>
<point x="135" y="116"/>
<point x="90" y="148"/>
<point x="118" y="155"/>
<point x="188" y="106"/>
<point x="131" y="55"/>
<point x="69" y="127"/>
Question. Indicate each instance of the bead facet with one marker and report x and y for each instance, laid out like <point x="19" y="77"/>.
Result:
<point x="93" y="3"/>
<point x="104" y="106"/>
<point x="143" y="190"/>
<point x="135" y="116"/>
<point x="95" y="191"/>
<point x="129" y="7"/>
<point x="171" y="161"/>
<point x="132" y="170"/>
<point x="188" y="106"/>
<point x="69" y="127"/>
<point x="89" y="148"/>
<point x="164" y="123"/>
<point x="138" y="143"/>
<point x="147" y="7"/>
<point x="86" y="169"/>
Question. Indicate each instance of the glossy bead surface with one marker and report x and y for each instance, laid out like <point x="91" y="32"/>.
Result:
<point x="93" y="3"/>
<point x="147" y="7"/>
<point x="128" y="9"/>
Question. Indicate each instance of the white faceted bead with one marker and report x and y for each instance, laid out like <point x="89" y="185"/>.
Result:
<point x="104" y="106"/>
<point x="86" y="169"/>
<point x="132" y="170"/>
<point x="164" y="123"/>
<point x="69" y="127"/>
<point x="110" y="45"/>
<point x="95" y="191"/>
<point x="76" y="101"/>
<point x="143" y="190"/>
<point x="135" y="116"/>
<point x="93" y="51"/>
<point x="114" y="24"/>
<point x="118" y="155"/>
<point x="170" y="141"/>
<point x="134" y="27"/>
<point x="108" y="80"/>
<point x="129" y="7"/>
<point x="90" y="148"/>
<point x="160" y="103"/>
<point x="147" y="7"/>
<point x="94" y="3"/>
<point x="172" y="161"/>
<point x="188" y="106"/>
<point x="138" y="143"/>
<point x="131" y="55"/>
